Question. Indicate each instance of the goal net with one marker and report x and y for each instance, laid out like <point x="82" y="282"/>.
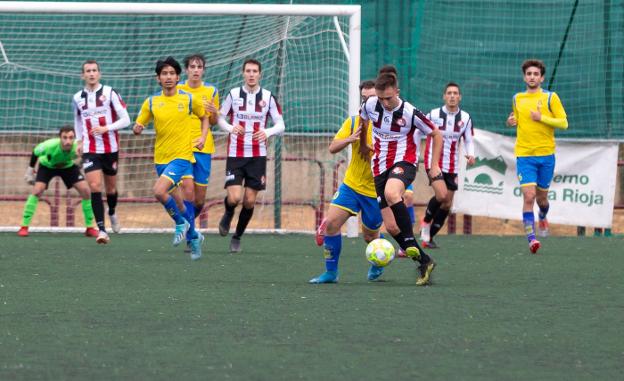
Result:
<point x="304" y="51"/>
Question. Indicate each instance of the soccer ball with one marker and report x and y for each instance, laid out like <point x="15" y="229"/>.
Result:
<point x="380" y="252"/>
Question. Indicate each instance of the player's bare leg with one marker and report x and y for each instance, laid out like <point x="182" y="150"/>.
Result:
<point x="232" y="199"/>
<point x="249" y="201"/>
<point x="541" y="198"/>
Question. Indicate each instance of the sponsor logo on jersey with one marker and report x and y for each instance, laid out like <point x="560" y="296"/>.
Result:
<point x="237" y="102"/>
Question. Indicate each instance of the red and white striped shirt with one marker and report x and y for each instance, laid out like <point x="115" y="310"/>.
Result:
<point x="99" y="108"/>
<point x="453" y="126"/>
<point x="250" y="110"/>
<point x="393" y="133"/>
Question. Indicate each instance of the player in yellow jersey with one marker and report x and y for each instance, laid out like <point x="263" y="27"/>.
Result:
<point x="536" y="114"/>
<point x="194" y="187"/>
<point x="356" y="194"/>
<point x="171" y="110"/>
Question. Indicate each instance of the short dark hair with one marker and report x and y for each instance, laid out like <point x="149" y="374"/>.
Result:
<point x="194" y="57"/>
<point x="368" y="84"/>
<point x="388" y="69"/>
<point x="386" y="80"/>
<point x="169" y="61"/>
<point x="87" y="62"/>
<point x="536" y="63"/>
<point x="254" y="62"/>
<point x="66" y="128"/>
<point x="451" y="84"/>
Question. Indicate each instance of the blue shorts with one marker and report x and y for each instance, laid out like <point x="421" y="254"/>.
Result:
<point x="536" y="170"/>
<point x="175" y="170"/>
<point x="353" y="202"/>
<point x="201" y="168"/>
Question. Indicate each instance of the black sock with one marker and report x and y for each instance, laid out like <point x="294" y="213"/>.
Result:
<point x="98" y="209"/>
<point x="243" y="220"/>
<point x="229" y="209"/>
<point x="432" y="209"/>
<point x="111" y="200"/>
<point x="401" y="216"/>
<point x="438" y="221"/>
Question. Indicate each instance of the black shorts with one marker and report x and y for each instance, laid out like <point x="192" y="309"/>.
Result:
<point x="107" y="162"/>
<point x="450" y="179"/>
<point x="250" y="169"/>
<point x="70" y="176"/>
<point x="402" y="170"/>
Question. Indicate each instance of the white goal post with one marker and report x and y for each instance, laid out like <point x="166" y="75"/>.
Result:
<point x="350" y="46"/>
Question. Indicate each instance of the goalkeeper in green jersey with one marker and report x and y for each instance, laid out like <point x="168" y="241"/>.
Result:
<point x="56" y="158"/>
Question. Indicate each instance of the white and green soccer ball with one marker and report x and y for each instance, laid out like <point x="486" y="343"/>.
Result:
<point x="380" y="252"/>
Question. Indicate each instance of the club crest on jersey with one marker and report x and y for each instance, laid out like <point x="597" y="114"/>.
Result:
<point x="262" y="103"/>
<point x="460" y="123"/>
<point x="401" y="122"/>
<point x="397" y="171"/>
<point x="181" y="107"/>
<point x="102" y="98"/>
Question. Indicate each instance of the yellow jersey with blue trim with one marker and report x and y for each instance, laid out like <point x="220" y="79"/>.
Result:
<point x="359" y="175"/>
<point x="171" y="116"/>
<point x="206" y="92"/>
<point x="536" y="138"/>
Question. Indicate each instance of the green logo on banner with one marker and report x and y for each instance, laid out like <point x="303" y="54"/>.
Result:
<point x="488" y="176"/>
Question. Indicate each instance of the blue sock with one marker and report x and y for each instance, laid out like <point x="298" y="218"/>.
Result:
<point x="173" y="211"/>
<point x="543" y="212"/>
<point x="196" y="210"/>
<point x="410" y="211"/>
<point x="189" y="215"/>
<point x="333" y="246"/>
<point x="528" y="219"/>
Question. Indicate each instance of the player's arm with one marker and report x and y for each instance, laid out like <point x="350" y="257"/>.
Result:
<point x="77" y="127"/>
<point x="365" y="149"/>
<point x="348" y="133"/>
<point x="430" y="129"/>
<point x="226" y="108"/>
<point x="468" y="136"/>
<point x="214" y="112"/>
<point x="512" y="118"/>
<point x="39" y="150"/>
<point x="199" y="110"/>
<point x="144" y="117"/>
<point x="275" y="111"/>
<point x="560" y="119"/>
<point x="120" y="108"/>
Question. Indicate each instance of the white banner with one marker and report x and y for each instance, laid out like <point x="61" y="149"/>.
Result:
<point x="581" y="193"/>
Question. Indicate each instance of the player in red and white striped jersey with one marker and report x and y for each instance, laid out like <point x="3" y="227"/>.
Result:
<point x="455" y="124"/>
<point x="248" y="107"/>
<point x="394" y="124"/>
<point x="99" y="112"/>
